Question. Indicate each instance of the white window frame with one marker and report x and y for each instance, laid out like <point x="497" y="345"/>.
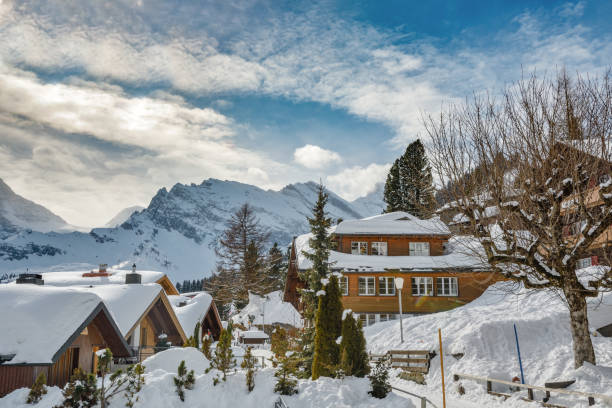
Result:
<point x="447" y="286"/>
<point x="419" y="249"/>
<point x="380" y="248"/>
<point x="344" y="285"/>
<point x="359" y="247"/>
<point x="386" y="283"/>
<point x="367" y="319"/>
<point x="418" y="281"/>
<point x="369" y="291"/>
<point x="584" y="263"/>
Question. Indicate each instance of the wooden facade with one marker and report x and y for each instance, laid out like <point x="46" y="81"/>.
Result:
<point x="98" y="331"/>
<point x="397" y="245"/>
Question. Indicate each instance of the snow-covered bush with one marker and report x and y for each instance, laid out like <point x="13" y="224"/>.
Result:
<point x="184" y="380"/>
<point x="135" y="383"/>
<point x="38" y="389"/>
<point x="379" y="379"/>
<point x="286" y="384"/>
<point x="206" y="343"/>
<point x="81" y="391"/>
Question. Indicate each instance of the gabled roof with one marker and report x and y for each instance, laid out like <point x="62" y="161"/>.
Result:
<point x="38" y="323"/>
<point x="194" y="309"/>
<point x="395" y="223"/>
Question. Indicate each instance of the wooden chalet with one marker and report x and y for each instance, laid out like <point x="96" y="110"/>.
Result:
<point x="438" y="274"/>
<point x="52" y="330"/>
<point x="197" y="308"/>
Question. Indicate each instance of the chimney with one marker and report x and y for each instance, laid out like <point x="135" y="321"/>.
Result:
<point x="32" y="278"/>
<point x="101" y="272"/>
<point x="102" y="268"/>
<point x="133" y="277"/>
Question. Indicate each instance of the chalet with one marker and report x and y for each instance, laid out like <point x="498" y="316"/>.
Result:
<point x="52" y="330"/>
<point x="253" y="336"/>
<point x="142" y="313"/>
<point x="197" y="307"/>
<point x="439" y="274"/>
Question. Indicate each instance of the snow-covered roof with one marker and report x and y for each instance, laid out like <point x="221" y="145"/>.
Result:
<point x="276" y="311"/>
<point x="460" y="255"/>
<point x="193" y="311"/>
<point x="395" y="223"/>
<point x="253" y="334"/>
<point x="36" y="321"/>
<point x="116" y="276"/>
<point x="127" y="303"/>
<point x="489" y="212"/>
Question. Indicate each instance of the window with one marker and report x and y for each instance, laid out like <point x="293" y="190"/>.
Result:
<point x="422" y="286"/>
<point x="386" y="317"/>
<point x="447" y="286"/>
<point x="386" y="286"/>
<point x="344" y="285"/>
<point x="583" y="263"/>
<point x="359" y="248"/>
<point x="419" y="249"/>
<point x="379" y="248"/>
<point x="367" y="319"/>
<point x="366" y="286"/>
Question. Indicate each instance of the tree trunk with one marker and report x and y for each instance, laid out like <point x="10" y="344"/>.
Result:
<point x="579" y="324"/>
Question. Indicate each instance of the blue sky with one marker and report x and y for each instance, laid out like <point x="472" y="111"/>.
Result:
<point x="102" y="103"/>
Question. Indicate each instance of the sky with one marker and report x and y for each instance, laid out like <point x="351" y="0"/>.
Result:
<point x="102" y="103"/>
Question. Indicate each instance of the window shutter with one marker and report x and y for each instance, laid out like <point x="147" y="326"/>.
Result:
<point x="594" y="260"/>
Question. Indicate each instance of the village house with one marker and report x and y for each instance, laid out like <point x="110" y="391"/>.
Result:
<point x="196" y="308"/>
<point x="52" y="330"/>
<point x="439" y="272"/>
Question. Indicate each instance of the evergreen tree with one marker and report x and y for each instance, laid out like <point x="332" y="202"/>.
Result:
<point x="206" y="343"/>
<point x="276" y="269"/>
<point x="328" y="327"/>
<point x="409" y="185"/>
<point x="135" y="374"/>
<point x="39" y="388"/>
<point x="196" y="336"/>
<point x="279" y="343"/>
<point x="178" y="287"/>
<point x="379" y="379"/>
<point x="248" y="363"/>
<point x="286" y="384"/>
<point x="320" y="245"/>
<point x="354" y="358"/>
<point x="81" y="391"/>
<point x="223" y="360"/>
<point x="184" y="381"/>
<point x="393" y="189"/>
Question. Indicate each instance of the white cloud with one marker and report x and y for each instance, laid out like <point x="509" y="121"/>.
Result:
<point x="315" y="157"/>
<point x="357" y="181"/>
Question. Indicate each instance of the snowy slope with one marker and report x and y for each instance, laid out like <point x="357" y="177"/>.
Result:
<point x="176" y="233"/>
<point x="372" y="203"/>
<point x="123" y="216"/>
<point x="17" y="213"/>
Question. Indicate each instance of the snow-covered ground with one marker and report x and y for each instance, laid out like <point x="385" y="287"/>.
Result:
<point x="483" y="332"/>
<point x="159" y="390"/>
<point x="271" y="308"/>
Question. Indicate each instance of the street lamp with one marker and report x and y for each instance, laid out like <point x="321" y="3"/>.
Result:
<point x="399" y="284"/>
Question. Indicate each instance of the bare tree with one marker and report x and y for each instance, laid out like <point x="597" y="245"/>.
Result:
<point x="539" y="159"/>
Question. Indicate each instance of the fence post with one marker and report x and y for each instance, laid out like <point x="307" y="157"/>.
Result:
<point x="442" y="369"/>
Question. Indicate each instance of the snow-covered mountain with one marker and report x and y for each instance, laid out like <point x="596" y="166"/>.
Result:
<point x="18" y="213"/>
<point x="122" y="216"/>
<point x="372" y="203"/>
<point x="176" y="233"/>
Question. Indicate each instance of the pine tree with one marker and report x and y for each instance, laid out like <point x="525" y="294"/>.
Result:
<point x="328" y="327"/>
<point x="279" y="343"/>
<point x="135" y="374"/>
<point x="223" y="360"/>
<point x="320" y="245"/>
<point x="409" y="185"/>
<point x="178" y="287"/>
<point x="81" y="391"/>
<point x="286" y="384"/>
<point x="39" y="388"/>
<point x="354" y="358"/>
<point x="184" y="381"/>
<point x="276" y="270"/>
<point x="393" y="190"/>
<point x="379" y="379"/>
<point x="206" y="343"/>
<point x="248" y="363"/>
<point x="196" y="336"/>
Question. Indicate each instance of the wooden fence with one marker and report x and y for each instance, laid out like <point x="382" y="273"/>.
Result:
<point x="410" y="360"/>
<point x="530" y="388"/>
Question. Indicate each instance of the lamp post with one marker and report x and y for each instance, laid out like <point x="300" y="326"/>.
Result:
<point x="399" y="284"/>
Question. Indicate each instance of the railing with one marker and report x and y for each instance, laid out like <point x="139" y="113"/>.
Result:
<point x="411" y="360"/>
<point x="530" y="388"/>
<point x="279" y="403"/>
<point x="424" y="400"/>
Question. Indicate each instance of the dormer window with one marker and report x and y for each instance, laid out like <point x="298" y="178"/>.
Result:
<point x="379" y="248"/>
<point x="419" y="249"/>
<point x="359" y="248"/>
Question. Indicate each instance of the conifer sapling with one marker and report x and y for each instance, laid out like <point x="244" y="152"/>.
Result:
<point x="248" y="363"/>
<point x="379" y="378"/>
<point x="81" y="391"/>
<point x="39" y="388"/>
<point x="184" y="381"/>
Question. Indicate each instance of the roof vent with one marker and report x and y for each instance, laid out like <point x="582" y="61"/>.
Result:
<point x="33" y="278"/>
<point x="133" y="277"/>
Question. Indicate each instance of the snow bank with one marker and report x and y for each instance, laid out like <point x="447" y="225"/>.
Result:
<point x="169" y="360"/>
<point x="482" y="332"/>
<point x="276" y="311"/>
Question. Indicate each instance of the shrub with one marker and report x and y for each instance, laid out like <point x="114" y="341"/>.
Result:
<point x="38" y="389"/>
<point x="206" y="343"/>
<point x="81" y="391"/>
<point x="379" y="378"/>
<point x="286" y="384"/>
<point x="223" y="360"/>
<point x="248" y="363"/>
<point x="184" y="381"/>
<point x="135" y="383"/>
<point x="353" y="356"/>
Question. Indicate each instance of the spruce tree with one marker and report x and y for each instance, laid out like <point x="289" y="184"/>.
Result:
<point x="286" y="384"/>
<point x="328" y="327"/>
<point x="206" y="343"/>
<point x="276" y="269"/>
<point x="320" y="244"/>
<point x="409" y="185"/>
<point x="248" y="363"/>
<point x="354" y="358"/>
<point x="196" y="336"/>
<point x="393" y="190"/>
<point x="223" y="359"/>
<point x="39" y="388"/>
